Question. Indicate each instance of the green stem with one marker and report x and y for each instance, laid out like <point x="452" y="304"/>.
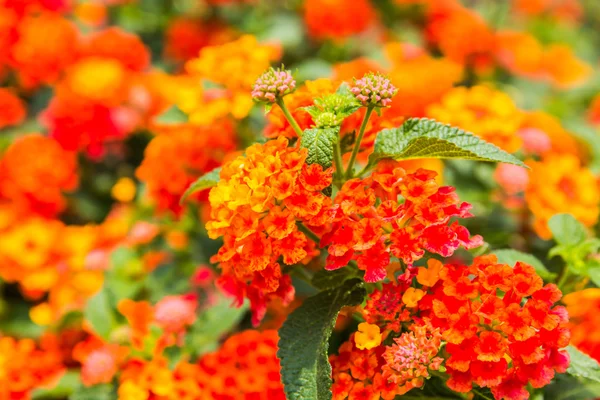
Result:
<point x="289" y="117"/>
<point x="309" y="234"/>
<point x="355" y="150"/>
<point x="337" y="159"/>
<point x="563" y="278"/>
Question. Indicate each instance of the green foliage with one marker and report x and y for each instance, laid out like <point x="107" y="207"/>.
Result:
<point x="96" y="392"/>
<point x="320" y="142"/>
<point x="567" y="231"/>
<point x="67" y="384"/>
<point x="206" y="181"/>
<point x="426" y="138"/>
<point x="582" y="365"/>
<point x="173" y="115"/>
<point x="212" y="324"/>
<point x="304" y="340"/>
<point x="510" y="257"/>
<point x="98" y="312"/>
<point x="574" y="247"/>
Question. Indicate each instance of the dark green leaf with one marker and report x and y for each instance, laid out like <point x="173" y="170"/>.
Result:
<point x="583" y="365"/>
<point x="98" y="312"/>
<point x="566" y="230"/>
<point x="206" y="181"/>
<point x="304" y="340"/>
<point x="325" y="280"/>
<point x="568" y="387"/>
<point x="426" y="138"/>
<point x="510" y="257"/>
<point x="320" y="142"/>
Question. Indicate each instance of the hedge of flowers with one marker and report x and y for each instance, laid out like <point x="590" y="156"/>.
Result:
<point x="300" y="199"/>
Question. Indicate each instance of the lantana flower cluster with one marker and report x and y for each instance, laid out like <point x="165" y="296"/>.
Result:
<point x="500" y="326"/>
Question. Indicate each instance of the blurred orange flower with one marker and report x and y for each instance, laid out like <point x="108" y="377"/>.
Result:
<point x="333" y="19"/>
<point x="47" y="44"/>
<point x="488" y="113"/>
<point x="560" y="184"/>
<point x="35" y="172"/>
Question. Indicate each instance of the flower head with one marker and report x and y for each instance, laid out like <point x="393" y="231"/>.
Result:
<point x="412" y="355"/>
<point x="374" y="90"/>
<point x="273" y="85"/>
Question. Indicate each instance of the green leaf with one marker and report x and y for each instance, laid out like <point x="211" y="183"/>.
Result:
<point x="172" y="116"/>
<point x="568" y="387"/>
<point x="594" y="274"/>
<point x="566" y="230"/>
<point x="320" y="142"/>
<point x="65" y="386"/>
<point x="510" y="257"/>
<point x="325" y="280"/>
<point x="212" y="324"/>
<point x="426" y="138"/>
<point x="303" y="342"/>
<point x="98" y="312"/>
<point x="583" y="365"/>
<point x="206" y="181"/>
<point x="96" y="392"/>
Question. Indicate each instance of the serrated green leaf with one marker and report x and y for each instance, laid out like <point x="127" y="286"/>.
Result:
<point x="206" y="181"/>
<point x="173" y="115"/>
<point x="566" y="230"/>
<point x="510" y="257"/>
<point x="320" y="142"/>
<point x="304" y="340"/>
<point x="96" y="392"/>
<point x="426" y="138"/>
<point x="98" y="312"/>
<point x="583" y="365"/>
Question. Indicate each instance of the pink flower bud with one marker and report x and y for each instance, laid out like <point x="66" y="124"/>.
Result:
<point x="374" y="90"/>
<point x="272" y="85"/>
